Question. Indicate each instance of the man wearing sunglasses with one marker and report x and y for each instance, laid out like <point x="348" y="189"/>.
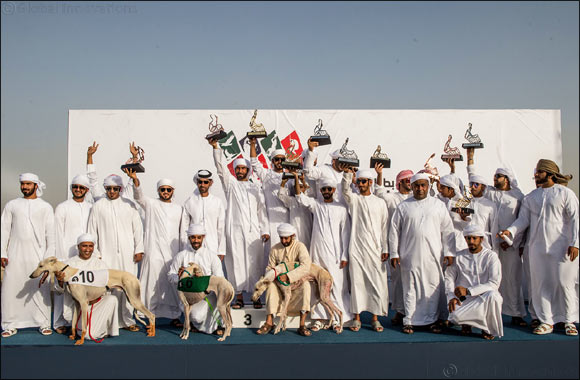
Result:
<point x="71" y="219"/>
<point x="507" y="198"/>
<point x="422" y="240"/>
<point x="116" y="225"/>
<point x="27" y="226"/>
<point x="403" y="185"/>
<point x="271" y="178"/>
<point x="368" y="248"/>
<point x="206" y="209"/>
<point x="247" y="226"/>
<point x="316" y="173"/>
<point x="164" y="221"/>
<point x="329" y="248"/>
<point x="551" y="214"/>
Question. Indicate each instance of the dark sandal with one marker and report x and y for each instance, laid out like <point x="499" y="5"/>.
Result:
<point x="518" y="321"/>
<point x="487" y="336"/>
<point x="304" y="331"/>
<point x="535" y="323"/>
<point x="397" y="320"/>
<point x="176" y="323"/>
<point x="238" y="304"/>
<point x="257" y="304"/>
<point x="133" y="328"/>
<point x="265" y="329"/>
<point x="219" y="331"/>
<point x="465" y="330"/>
<point x="435" y="328"/>
<point x="408" y="329"/>
<point x="61" y="330"/>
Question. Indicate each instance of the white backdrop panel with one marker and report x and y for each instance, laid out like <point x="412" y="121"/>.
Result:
<point x="175" y="145"/>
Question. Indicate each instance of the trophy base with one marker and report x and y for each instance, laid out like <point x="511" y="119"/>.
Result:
<point x="321" y="140"/>
<point x="287" y="175"/>
<point x="216" y="135"/>
<point x="464" y="210"/>
<point x="472" y="145"/>
<point x="386" y="162"/>
<point x="291" y="165"/>
<point x="256" y="135"/>
<point x="349" y="161"/>
<point x="137" y="168"/>
<point x="456" y="157"/>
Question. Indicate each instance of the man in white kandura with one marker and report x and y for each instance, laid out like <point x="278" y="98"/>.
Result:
<point x="300" y="216"/>
<point x="472" y="284"/>
<point x="450" y="191"/>
<point x="551" y="213"/>
<point x="71" y="219"/>
<point x="507" y="197"/>
<point x="164" y="221"/>
<point x="203" y="316"/>
<point x="206" y="209"/>
<point x="271" y="178"/>
<point x="367" y="249"/>
<point x="422" y="240"/>
<point x="403" y="184"/>
<point x="288" y="250"/>
<point x="329" y="248"/>
<point x="27" y="226"/>
<point x="116" y="225"/>
<point x="247" y="226"/>
<point x="103" y="314"/>
<point x="332" y="170"/>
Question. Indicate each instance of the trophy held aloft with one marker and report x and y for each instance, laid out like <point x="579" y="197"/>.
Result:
<point x="292" y="162"/>
<point x="381" y="158"/>
<point x="462" y="205"/>
<point x="451" y="153"/>
<point x="474" y="140"/>
<point x="258" y="131"/>
<point x="320" y="135"/>
<point x="216" y="129"/>
<point x="134" y="163"/>
<point x="348" y="157"/>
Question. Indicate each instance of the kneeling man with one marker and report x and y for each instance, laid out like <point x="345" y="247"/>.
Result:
<point x="204" y="314"/>
<point x="102" y="316"/>
<point x="472" y="287"/>
<point x="288" y="250"/>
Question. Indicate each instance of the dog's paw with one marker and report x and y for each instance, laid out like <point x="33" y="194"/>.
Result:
<point x="79" y="342"/>
<point x="72" y="337"/>
<point x="221" y="339"/>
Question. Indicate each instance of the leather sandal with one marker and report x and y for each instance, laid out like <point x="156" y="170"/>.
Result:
<point x="408" y="329"/>
<point x="376" y="325"/>
<point x="304" y="331"/>
<point x="487" y="336"/>
<point x="355" y="326"/>
<point x="257" y="304"/>
<point x="238" y="304"/>
<point x="518" y="321"/>
<point x="45" y="330"/>
<point x="465" y="330"/>
<point x="265" y="329"/>
<point x="397" y="320"/>
<point x="571" y="330"/>
<point x="176" y="323"/>
<point x="317" y="326"/>
<point x="8" y="333"/>
<point x="435" y="328"/>
<point x="543" y="329"/>
<point x="133" y="328"/>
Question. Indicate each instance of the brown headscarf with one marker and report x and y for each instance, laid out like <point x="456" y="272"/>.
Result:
<point x="551" y="167"/>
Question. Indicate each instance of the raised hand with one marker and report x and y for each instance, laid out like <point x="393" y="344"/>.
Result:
<point x="312" y="144"/>
<point x="92" y="148"/>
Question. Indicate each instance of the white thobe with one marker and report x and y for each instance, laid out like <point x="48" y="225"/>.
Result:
<point x="246" y="222"/>
<point x="508" y="205"/>
<point x="329" y="246"/>
<point x="277" y="212"/>
<point x="368" y="240"/>
<point x="71" y="220"/>
<point x="395" y="285"/>
<point x="209" y="212"/>
<point x="117" y="227"/>
<point x="552" y="217"/>
<point x="300" y="216"/>
<point x="201" y="315"/>
<point x="421" y="235"/>
<point x="103" y="314"/>
<point x="316" y="173"/>
<point x="164" y="222"/>
<point x="480" y="273"/>
<point x="27" y="238"/>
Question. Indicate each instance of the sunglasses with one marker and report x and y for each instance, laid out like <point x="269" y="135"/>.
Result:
<point x="361" y="180"/>
<point x="113" y="188"/>
<point x="202" y="182"/>
<point x="78" y="187"/>
<point x="276" y="159"/>
<point x="165" y="189"/>
<point x="498" y="175"/>
<point x="326" y="189"/>
<point x="474" y="184"/>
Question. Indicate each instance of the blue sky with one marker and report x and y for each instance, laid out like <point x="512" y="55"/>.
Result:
<point x="57" y="56"/>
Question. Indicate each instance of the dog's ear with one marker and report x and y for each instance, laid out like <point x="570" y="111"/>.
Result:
<point x="190" y="264"/>
<point x="52" y="260"/>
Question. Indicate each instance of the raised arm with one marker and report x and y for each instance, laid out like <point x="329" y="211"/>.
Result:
<point x="222" y="172"/>
<point x="345" y="185"/>
<point x="138" y="195"/>
<point x="256" y="164"/>
<point x="96" y="191"/>
<point x="312" y="172"/>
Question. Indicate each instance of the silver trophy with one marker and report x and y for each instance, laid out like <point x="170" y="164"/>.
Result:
<point x="320" y="135"/>
<point x="258" y="130"/>
<point x="450" y="152"/>
<point x="134" y="164"/>
<point x="348" y="156"/>
<point x="216" y="129"/>
<point x="474" y="140"/>
<point x="381" y="158"/>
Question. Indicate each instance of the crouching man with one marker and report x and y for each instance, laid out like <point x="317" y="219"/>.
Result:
<point x="102" y="315"/>
<point x="204" y="314"/>
<point x="288" y="250"/>
<point x="472" y="287"/>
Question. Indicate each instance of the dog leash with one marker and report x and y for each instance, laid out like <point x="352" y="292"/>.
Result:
<point x="90" y="317"/>
<point x="211" y="308"/>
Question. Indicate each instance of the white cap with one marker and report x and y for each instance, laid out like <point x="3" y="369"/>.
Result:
<point x="511" y="176"/>
<point x="335" y="154"/>
<point x="419" y="176"/>
<point x="452" y="181"/>
<point x="327" y="182"/>
<point x="84" y="238"/>
<point x="82" y="180"/>
<point x="277" y="152"/>
<point x="113" y="180"/>
<point x="202" y="174"/>
<point x="366" y="173"/>
<point x="478" y="179"/>
<point x="196" y="229"/>
<point x="30" y="177"/>
<point x="165" y="182"/>
<point x="473" y="230"/>
<point x="286" y="229"/>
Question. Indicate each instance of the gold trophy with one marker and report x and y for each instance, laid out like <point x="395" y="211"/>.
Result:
<point x="381" y="158"/>
<point x="450" y="152"/>
<point x="134" y="164"/>
<point x="474" y="140"/>
<point x="216" y="129"/>
<point x="462" y="205"/>
<point x="258" y="131"/>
